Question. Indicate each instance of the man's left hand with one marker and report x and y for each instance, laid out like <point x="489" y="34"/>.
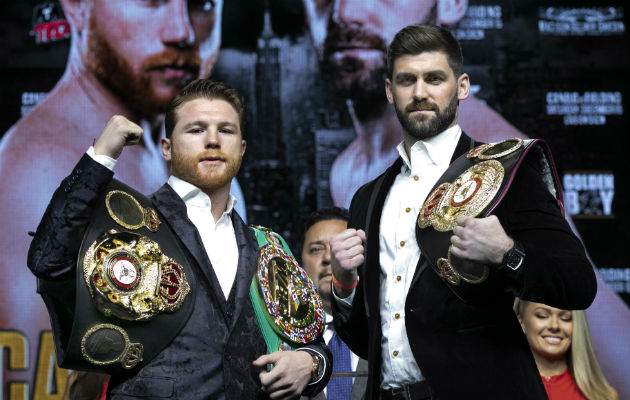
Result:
<point x="480" y="239"/>
<point x="290" y="374"/>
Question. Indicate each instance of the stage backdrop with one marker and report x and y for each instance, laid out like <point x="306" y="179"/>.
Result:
<point x="556" y="70"/>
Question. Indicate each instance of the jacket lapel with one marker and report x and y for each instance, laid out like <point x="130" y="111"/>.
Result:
<point x="173" y="209"/>
<point x="372" y="266"/>
<point x="248" y="252"/>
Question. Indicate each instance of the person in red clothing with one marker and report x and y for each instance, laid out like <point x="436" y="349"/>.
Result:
<point x="561" y="345"/>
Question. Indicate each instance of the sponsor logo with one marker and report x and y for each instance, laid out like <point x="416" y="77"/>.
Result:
<point x="49" y="24"/>
<point x="581" y="21"/>
<point x="589" y="194"/>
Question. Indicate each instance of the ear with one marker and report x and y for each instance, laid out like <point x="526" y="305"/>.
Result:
<point x="243" y="147"/>
<point x="451" y="11"/>
<point x="388" y="91"/>
<point x="463" y="86"/>
<point x="76" y="11"/>
<point x="166" y="148"/>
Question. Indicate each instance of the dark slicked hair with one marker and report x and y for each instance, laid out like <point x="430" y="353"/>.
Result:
<point x="207" y="89"/>
<point x="420" y="38"/>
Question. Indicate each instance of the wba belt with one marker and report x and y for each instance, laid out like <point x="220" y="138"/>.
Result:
<point x="474" y="185"/>
<point x="132" y="281"/>
<point x="287" y="306"/>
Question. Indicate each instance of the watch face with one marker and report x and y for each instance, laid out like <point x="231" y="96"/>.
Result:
<point x="514" y="259"/>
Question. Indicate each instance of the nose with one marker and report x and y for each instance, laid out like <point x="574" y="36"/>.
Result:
<point x="554" y="326"/>
<point x="212" y="139"/>
<point x="177" y="29"/>
<point x="326" y="257"/>
<point x="420" y="90"/>
<point x="358" y="12"/>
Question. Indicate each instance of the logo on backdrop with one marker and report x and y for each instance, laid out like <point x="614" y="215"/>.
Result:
<point x="49" y="24"/>
<point x="477" y="21"/>
<point x="589" y="194"/>
<point x="588" y="108"/>
<point x="592" y="21"/>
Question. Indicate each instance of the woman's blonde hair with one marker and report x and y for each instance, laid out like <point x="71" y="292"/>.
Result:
<point x="583" y="365"/>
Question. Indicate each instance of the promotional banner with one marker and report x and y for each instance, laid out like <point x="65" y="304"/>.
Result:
<point x="318" y="126"/>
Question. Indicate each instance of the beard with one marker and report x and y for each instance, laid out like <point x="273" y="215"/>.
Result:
<point x="354" y="78"/>
<point x="208" y="179"/>
<point x="136" y="88"/>
<point x="425" y="127"/>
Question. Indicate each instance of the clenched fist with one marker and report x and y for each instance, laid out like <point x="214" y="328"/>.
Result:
<point x="118" y="133"/>
<point x="480" y="239"/>
<point x="346" y="256"/>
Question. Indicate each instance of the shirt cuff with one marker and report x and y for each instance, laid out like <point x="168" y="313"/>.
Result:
<point x="345" y="302"/>
<point x="321" y="371"/>
<point x="104" y="160"/>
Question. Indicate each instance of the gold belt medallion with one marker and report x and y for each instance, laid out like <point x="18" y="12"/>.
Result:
<point x="128" y="213"/>
<point x="468" y="195"/>
<point x="129" y="276"/>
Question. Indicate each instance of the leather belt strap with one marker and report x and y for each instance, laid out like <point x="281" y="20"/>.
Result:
<point x="414" y="391"/>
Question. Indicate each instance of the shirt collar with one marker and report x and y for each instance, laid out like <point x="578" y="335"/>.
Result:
<point x="192" y="195"/>
<point x="436" y="150"/>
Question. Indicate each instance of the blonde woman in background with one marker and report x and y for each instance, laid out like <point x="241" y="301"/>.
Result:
<point x="561" y="345"/>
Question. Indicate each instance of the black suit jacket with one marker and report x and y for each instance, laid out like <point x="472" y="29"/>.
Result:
<point x="472" y="350"/>
<point x="212" y="354"/>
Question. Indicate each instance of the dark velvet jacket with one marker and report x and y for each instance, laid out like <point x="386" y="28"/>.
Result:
<point x="211" y="356"/>
<point x="476" y="349"/>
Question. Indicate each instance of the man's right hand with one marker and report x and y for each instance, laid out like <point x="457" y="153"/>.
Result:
<point x="346" y="256"/>
<point x="118" y="133"/>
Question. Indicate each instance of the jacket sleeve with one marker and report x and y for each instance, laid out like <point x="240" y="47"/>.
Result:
<point x="352" y="324"/>
<point x="556" y="270"/>
<point x="319" y="347"/>
<point x="54" y="249"/>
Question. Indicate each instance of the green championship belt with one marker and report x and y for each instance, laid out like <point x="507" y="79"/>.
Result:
<point x="287" y="306"/>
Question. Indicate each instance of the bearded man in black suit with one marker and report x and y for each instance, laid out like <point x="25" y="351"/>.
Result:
<point x="215" y="348"/>
<point x="432" y="281"/>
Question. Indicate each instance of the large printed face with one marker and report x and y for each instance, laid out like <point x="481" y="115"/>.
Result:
<point x="206" y="147"/>
<point x="425" y="93"/>
<point x="316" y="255"/>
<point x="549" y="330"/>
<point x="146" y="51"/>
<point x="351" y="38"/>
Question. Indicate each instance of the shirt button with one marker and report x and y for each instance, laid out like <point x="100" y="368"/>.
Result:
<point x="402" y="243"/>
<point x="415" y="178"/>
<point x="398" y="278"/>
<point x="396" y="315"/>
<point x="228" y="356"/>
<point x="229" y="314"/>
<point x="395" y="353"/>
<point x="407" y="209"/>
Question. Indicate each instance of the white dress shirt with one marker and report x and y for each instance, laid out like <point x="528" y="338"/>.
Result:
<point x="219" y="239"/>
<point x="399" y="251"/>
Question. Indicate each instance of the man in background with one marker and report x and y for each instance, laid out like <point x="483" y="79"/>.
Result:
<point x="349" y="371"/>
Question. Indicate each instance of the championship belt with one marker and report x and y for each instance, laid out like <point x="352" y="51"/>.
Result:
<point x="474" y="186"/>
<point x="132" y="287"/>
<point x="287" y="306"/>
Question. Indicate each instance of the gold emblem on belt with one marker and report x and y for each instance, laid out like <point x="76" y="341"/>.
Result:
<point x="468" y="195"/>
<point x="129" y="276"/>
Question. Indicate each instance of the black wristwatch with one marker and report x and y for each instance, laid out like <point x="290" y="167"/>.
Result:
<point x="514" y="258"/>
